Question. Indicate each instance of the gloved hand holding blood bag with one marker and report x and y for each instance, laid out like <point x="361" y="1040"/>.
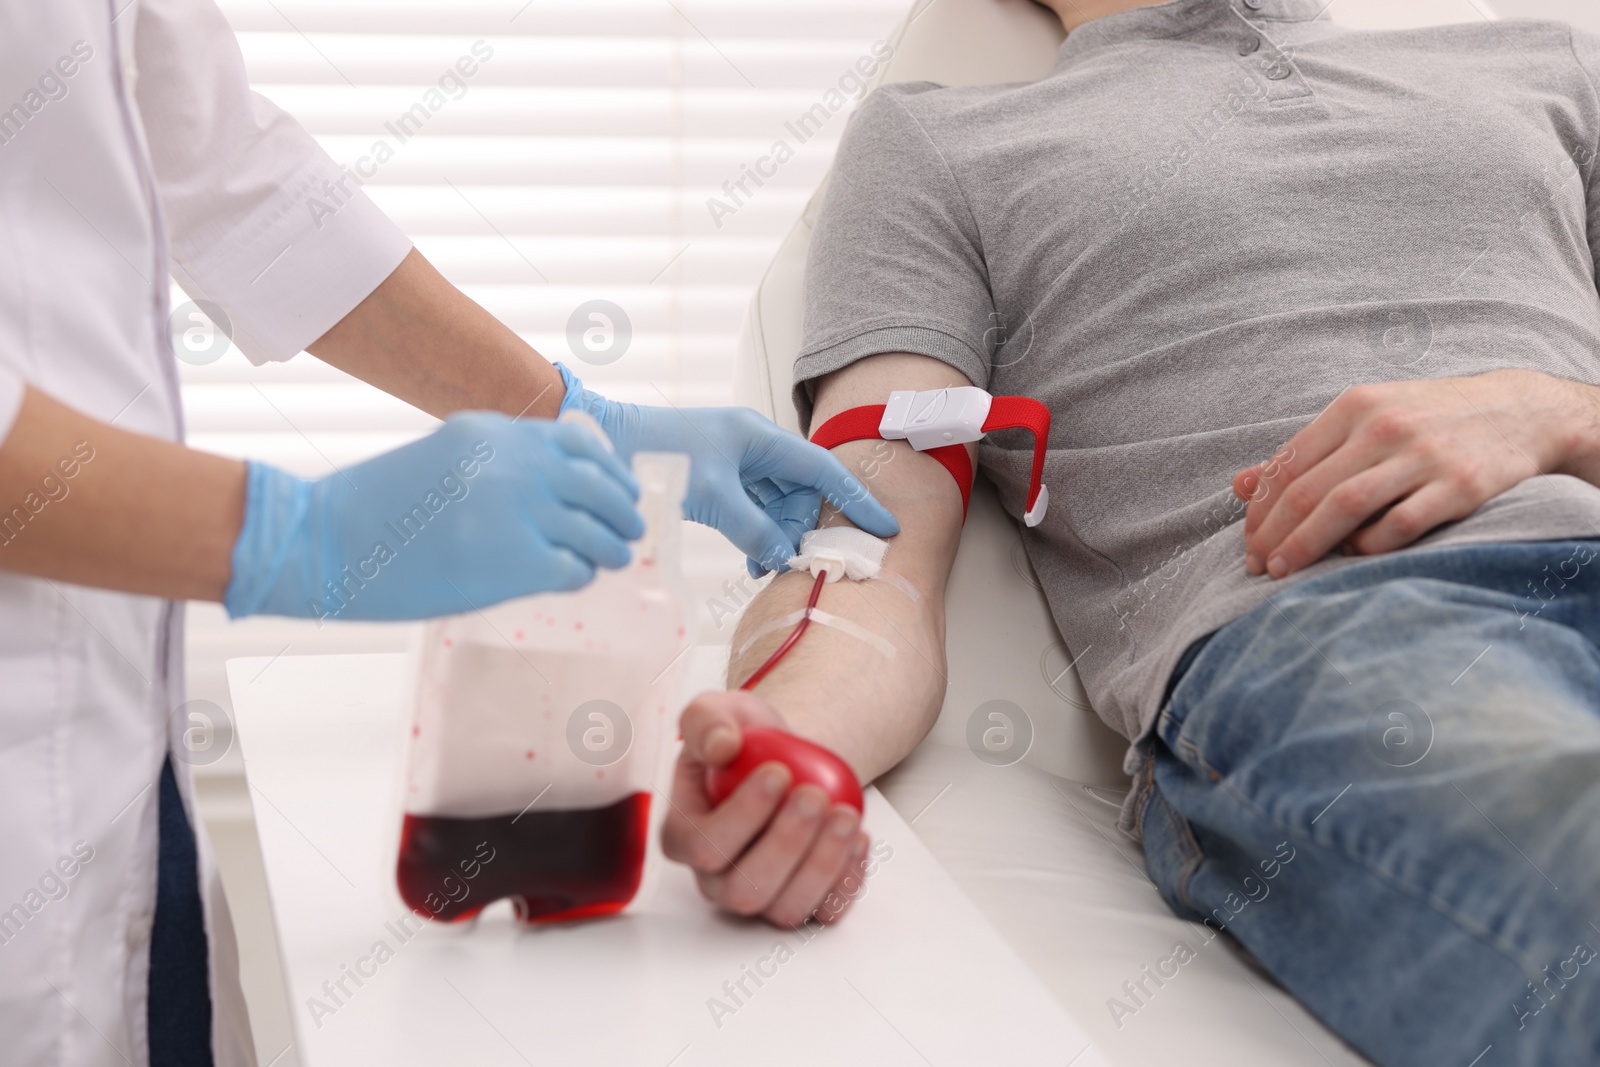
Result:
<point x="537" y="736"/>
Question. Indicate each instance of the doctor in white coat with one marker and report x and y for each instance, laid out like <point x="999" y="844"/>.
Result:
<point x="131" y="149"/>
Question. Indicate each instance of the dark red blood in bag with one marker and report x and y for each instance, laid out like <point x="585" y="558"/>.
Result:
<point x="555" y="865"/>
<point x="806" y="761"/>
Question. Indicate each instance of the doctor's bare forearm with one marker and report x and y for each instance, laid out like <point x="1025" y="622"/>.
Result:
<point x="419" y="338"/>
<point x="86" y="503"/>
<point x="869" y="698"/>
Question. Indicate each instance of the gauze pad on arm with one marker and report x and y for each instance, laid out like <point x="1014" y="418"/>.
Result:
<point x="843" y="551"/>
<point x="846" y="552"/>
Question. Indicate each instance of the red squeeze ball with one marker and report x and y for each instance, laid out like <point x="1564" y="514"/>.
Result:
<point x="806" y="761"/>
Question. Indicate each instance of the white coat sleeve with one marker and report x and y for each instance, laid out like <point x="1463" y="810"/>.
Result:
<point x="11" y="389"/>
<point x="256" y="216"/>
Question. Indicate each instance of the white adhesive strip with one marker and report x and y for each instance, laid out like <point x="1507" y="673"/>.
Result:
<point x="900" y="582"/>
<point x="821" y="618"/>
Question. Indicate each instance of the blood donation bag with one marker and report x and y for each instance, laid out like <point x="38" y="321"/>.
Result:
<point x="537" y="735"/>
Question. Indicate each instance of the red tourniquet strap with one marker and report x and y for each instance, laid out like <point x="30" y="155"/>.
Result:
<point x="959" y="464"/>
<point x="1005" y="413"/>
<point x="861" y="424"/>
<point x="1025" y="413"/>
<point x="857" y="424"/>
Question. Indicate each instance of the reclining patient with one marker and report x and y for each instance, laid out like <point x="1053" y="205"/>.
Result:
<point x="1314" y="311"/>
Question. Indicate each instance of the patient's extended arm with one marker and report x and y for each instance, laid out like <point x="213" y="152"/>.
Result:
<point x="758" y="854"/>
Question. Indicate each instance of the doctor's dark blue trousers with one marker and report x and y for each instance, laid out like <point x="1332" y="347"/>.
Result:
<point x="179" y="1014"/>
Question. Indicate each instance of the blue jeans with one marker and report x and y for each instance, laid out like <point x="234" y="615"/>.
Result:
<point x="1385" y="784"/>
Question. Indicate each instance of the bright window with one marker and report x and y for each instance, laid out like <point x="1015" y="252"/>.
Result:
<point x="575" y="164"/>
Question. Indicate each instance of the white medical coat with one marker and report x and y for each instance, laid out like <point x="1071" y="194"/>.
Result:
<point x="130" y="148"/>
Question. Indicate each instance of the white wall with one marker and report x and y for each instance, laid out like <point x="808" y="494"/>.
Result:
<point x="1581" y="13"/>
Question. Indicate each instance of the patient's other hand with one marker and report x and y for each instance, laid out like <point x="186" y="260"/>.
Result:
<point x="1384" y="464"/>
<point x="758" y="853"/>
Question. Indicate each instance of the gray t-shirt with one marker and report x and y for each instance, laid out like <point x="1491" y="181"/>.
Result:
<point x="1187" y="240"/>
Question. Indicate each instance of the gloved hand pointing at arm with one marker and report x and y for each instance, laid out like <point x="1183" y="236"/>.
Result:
<point x="488" y="508"/>
<point x="483" y="509"/>
<point x="759" y="485"/>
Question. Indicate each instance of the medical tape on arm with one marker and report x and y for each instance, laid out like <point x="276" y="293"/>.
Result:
<point x="846" y="552"/>
<point x="838" y="552"/>
<point x="821" y="618"/>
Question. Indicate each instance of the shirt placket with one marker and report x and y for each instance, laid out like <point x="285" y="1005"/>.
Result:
<point x="1247" y="26"/>
<point x="1241" y="28"/>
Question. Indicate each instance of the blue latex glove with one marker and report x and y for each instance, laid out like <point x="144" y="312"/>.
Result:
<point x="759" y="485"/>
<point x="481" y="510"/>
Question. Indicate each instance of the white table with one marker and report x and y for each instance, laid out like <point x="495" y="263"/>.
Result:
<point x="914" y="976"/>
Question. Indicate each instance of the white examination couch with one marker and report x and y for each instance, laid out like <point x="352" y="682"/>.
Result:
<point x="1034" y="844"/>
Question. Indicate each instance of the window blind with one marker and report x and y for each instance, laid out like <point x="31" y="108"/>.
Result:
<point x="597" y="150"/>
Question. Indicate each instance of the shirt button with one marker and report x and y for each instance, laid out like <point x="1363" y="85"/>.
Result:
<point x="1253" y="5"/>
<point x="1278" y="71"/>
<point x="1249" y="45"/>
